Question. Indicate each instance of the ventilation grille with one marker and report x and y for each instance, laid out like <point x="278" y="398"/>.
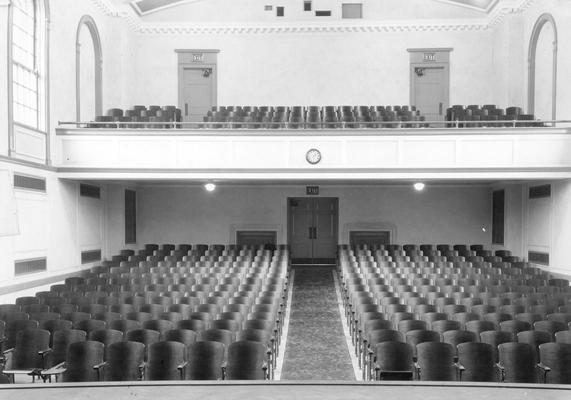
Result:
<point x="90" y="256"/>
<point x="89" y="191"/>
<point x="29" y="183"/>
<point x="538" y="257"/>
<point x="323" y="13"/>
<point x="23" y="267"/>
<point x="538" y="192"/>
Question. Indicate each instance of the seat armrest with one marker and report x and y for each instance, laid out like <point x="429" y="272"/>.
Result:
<point x="545" y="369"/>
<point x="142" y="371"/>
<point x="181" y="367"/>
<point x="460" y="368"/>
<point x="99" y="368"/>
<point x="502" y="371"/>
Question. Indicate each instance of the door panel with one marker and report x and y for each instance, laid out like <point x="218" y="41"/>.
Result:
<point x="325" y="236"/>
<point x="431" y="93"/>
<point x="312" y="229"/>
<point x="301" y="219"/>
<point x="197" y="94"/>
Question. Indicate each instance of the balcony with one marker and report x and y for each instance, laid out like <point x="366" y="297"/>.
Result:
<point x="507" y="152"/>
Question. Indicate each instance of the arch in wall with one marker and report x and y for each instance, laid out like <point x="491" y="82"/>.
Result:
<point x="88" y="22"/>
<point x="543" y="19"/>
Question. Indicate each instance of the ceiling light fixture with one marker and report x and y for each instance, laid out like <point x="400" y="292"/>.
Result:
<point x="209" y="186"/>
<point x="419" y="186"/>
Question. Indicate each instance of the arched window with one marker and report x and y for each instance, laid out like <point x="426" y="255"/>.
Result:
<point x="88" y="75"/>
<point x="542" y="73"/>
<point x="29" y="63"/>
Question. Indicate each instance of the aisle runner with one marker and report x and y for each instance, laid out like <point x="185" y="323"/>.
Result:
<point x="316" y="347"/>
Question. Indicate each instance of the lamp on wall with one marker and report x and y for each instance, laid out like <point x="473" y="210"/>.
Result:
<point x="419" y="71"/>
<point x="206" y="72"/>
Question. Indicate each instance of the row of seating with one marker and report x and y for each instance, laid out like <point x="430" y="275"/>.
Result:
<point x="489" y="115"/>
<point x="313" y="117"/>
<point x="105" y="355"/>
<point x="139" y="117"/>
<point x="238" y="297"/>
<point x="448" y="301"/>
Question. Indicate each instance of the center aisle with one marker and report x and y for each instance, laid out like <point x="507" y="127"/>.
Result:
<point x="316" y="346"/>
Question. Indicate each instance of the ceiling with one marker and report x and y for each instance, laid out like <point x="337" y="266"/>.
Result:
<point x="143" y="7"/>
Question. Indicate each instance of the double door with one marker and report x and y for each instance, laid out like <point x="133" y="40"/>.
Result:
<point x="313" y="229"/>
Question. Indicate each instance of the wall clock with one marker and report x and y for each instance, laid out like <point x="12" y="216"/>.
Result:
<point x="313" y="156"/>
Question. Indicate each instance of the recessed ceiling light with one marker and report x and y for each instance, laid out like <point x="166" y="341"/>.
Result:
<point x="210" y="186"/>
<point x="419" y="186"/>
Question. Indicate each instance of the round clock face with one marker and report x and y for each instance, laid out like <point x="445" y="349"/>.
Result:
<point x="313" y="156"/>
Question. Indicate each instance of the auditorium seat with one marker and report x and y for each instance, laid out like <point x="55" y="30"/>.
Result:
<point x="165" y="361"/>
<point x="27" y="356"/>
<point x="517" y="363"/>
<point x="476" y="362"/>
<point x="205" y="361"/>
<point x="436" y="362"/>
<point x="124" y="362"/>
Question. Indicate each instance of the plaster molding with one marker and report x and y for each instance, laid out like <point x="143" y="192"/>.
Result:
<point x="495" y="15"/>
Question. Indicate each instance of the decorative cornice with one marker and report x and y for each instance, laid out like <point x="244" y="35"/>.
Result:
<point x="125" y="12"/>
<point x="405" y="26"/>
<point x="499" y="13"/>
<point x="495" y="16"/>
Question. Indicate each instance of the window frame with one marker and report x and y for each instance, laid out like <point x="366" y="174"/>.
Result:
<point x="41" y="76"/>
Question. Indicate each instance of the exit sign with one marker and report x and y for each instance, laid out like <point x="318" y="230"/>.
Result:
<point x="428" y="57"/>
<point x="312" y="190"/>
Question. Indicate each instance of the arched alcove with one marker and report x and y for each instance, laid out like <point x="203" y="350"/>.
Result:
<point x="542" y="72"/>
<point x="88" y="75"/>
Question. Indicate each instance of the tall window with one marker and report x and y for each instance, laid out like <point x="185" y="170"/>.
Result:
<point x="29" y="63"/>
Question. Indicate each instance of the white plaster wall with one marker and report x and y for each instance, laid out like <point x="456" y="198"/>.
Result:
<point x="313" y="68"/>
<point x="511" y="50"/>
<point x="114" y="33"/>
<point x="191" y="215"/>
<point x="57" y="224"/>
<point x="509" y="68"/>
<point x="561" y="234"/>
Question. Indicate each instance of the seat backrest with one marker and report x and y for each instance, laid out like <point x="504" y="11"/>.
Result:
<point x="29" y="342"/>
<point x="436" y="361"/>
<point x="164" y="358"/>
<point x="556" y="356"/>
<point x="205" y="361"/>
<point x="518" y="361"/>
<point x="184" y="336"/>
<point x="478" y="362"/>
<point x="394" y="356"/>
<point x="80" y="360"/>
<point x="246" y="360"/>
<point x="61" y="340"/>
<point x="124" y="360"/>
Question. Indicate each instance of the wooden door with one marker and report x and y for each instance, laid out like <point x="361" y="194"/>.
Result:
<point x="430" y="90"/>
<point x="197" y="93"/>
<point x="312" y="230"/>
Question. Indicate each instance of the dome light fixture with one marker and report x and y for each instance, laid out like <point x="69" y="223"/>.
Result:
<point x="210" y="187"/>
<point x="419" y="186"/>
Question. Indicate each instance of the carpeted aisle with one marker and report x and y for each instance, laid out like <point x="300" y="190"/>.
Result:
<point x="316" y="346"/>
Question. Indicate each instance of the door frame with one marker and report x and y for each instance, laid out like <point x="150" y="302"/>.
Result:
<point x="200" y="59"/>
<point x="430" y="58"/>
<point x="288" y="222"/>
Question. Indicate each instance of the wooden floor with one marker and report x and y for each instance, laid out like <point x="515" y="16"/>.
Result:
<point x="230" y="390"/>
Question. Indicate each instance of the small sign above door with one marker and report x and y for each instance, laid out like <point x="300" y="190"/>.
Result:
<point x="197" y="57"/>
<point x="429" y="57"/>
<point x="312" y="190"/>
